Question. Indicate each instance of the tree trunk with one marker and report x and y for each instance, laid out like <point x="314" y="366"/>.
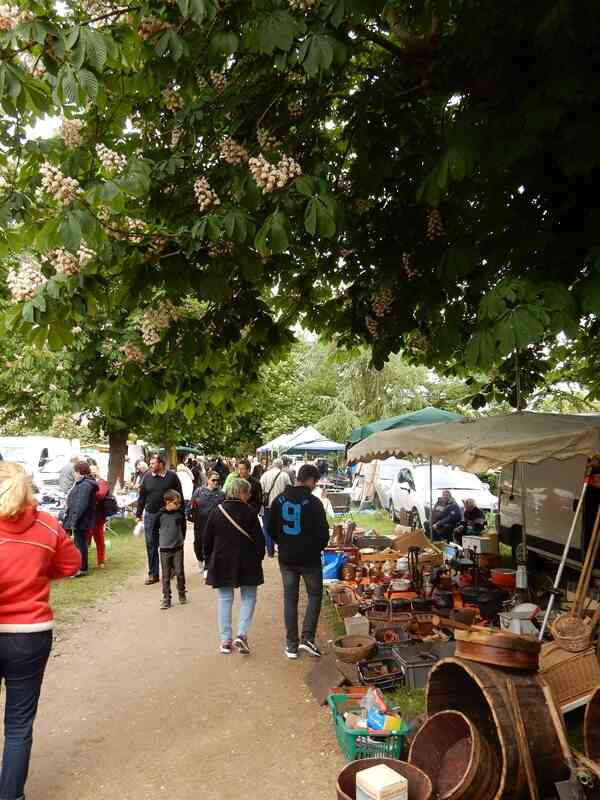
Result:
<point x="170" y="454"/>
<point x="116" y="457"/>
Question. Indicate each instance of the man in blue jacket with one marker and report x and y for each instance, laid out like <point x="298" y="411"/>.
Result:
<point x="298" y="524"/>
<point x="446" y="516"/>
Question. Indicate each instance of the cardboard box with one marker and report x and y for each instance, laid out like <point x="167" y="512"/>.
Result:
<point x="405" y="539"/>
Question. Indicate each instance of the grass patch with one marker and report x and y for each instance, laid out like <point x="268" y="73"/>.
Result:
<point x="125" y="554"/>
<point x="410" y="701"/>
<point x="333" y="622"/>
<point x="380" y="520"/>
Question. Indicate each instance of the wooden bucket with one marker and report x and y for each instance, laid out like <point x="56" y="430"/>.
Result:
<point x="480" y="693"/>
<point x="458" y="760"/>
<point x="419" y="784"/>
<point x="591" y="726"/>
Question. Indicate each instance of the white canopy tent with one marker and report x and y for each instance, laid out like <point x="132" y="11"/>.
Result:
<point x="489" y="442"/>
<point x="278" y="443"/>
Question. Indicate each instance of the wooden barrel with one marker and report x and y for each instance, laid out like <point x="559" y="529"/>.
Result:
<point x="591" y="726"/>
<point x="479" y="692"/>
<point x="458" y="760"/>
<point x="419" y="784"/>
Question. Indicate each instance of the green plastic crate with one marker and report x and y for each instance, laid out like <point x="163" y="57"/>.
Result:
<point x="358" y="744"/>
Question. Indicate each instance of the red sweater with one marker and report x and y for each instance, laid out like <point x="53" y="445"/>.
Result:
<point x="34" y="549"/>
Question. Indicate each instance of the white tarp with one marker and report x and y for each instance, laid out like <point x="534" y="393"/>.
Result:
<point x="489" y="442"/>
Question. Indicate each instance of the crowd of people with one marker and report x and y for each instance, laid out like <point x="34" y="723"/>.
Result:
<point x="240" y="511"/>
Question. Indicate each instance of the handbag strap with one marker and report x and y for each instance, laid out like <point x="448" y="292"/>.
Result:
<point x="268" y="500"/>
<point x="235" y="524"/>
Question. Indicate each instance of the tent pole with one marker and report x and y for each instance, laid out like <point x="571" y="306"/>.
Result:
<point x="563" y="560"/>
<point x="524" y="512"/>
<point x="430" y="496"/>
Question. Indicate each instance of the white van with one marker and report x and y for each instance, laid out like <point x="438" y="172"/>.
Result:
<point x="410" y="491"/>
<point x="374" y="481"/>
<point x="552" y="492"/>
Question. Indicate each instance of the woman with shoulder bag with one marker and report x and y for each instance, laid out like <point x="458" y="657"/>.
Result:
<point x="234" y="546"/>
<point x="34" y="550"/>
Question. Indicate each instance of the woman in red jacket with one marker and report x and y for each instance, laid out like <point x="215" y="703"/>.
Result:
<point x="34" y="549"/>
<point x="97" y="532"/>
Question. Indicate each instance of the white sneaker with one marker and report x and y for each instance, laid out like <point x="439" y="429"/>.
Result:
<point x="291" y="652"/>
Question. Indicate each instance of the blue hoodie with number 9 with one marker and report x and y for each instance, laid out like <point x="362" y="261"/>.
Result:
<point x="298" y="523"/>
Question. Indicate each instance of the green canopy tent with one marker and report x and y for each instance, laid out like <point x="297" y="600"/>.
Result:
<point x="426" y="416"/>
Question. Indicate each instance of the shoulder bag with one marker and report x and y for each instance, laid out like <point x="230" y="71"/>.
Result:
<point x="235" y="524"/>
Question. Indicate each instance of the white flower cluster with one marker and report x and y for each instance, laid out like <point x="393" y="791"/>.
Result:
<point x="266" y="140"/>
<point x="32" y="64"/>
<point x="111" y="161"/>
<point x="176" y="135"/>
<point x="133" y="353"/>
<point x="66" y="263"/>
<point x="70" y="131"/>
<point x="303" y="5"/>
<point x="232" y="152"/>
<point x="295" y="76"/>
<point x="218" y="80"/>
<point x="171" y="99"/>
<point x="24" y="281"/>
<point x="64" y="190"/>
<point x="382" y="302"/>
<point x="296" y="109"/>
<point x="150" y="26"/>
<point x="205" y="197"/>
<point x="221" y="249"/>
<point x="135" y="230"/>
<point x="157" y="319"/>
<point x="10" y="17"/>
<point x="270" y="177"/>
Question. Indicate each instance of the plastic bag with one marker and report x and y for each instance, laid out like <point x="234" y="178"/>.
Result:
<point x="139" y="529"/>
<point x="332" y="565"/>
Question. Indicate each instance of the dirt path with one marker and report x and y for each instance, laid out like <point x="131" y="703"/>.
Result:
<point x="139" y="705"/>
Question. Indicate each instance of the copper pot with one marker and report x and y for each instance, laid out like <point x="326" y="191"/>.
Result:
<point x="349" y="572"/>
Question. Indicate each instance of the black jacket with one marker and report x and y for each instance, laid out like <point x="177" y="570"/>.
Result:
<point x="203" y="502"/>
<point x="232" y="558"/>
<point x="152" y="491"/>
<point x="170" y="527"/>
<point x="256" y="494"/>
<point x="446" y="516"/>
<point x="298" y="523"/>
<point x="81" y="505"/>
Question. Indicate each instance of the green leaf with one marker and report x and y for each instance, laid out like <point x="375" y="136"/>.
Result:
<point x="223" y="43"/>
<point x="29" y="312"/>
<point x="88" y="82"/>
<point x="184" y="7"/>
<point x="319" y="218"/>
<point x="39" y="301"/>
<point x="318" y="54"/>
<point x="69" y="232"/>
<point x="71" y="37"/>
<point x="80" y="51"/>
<point x="260" y="240"/>
<point x="278" y="30"/>
<point x="278" y="233"/>
<point x="492" y="306"/>
<point x="170" y="42"/>
<point x="189" y="411"/>
<point x="96" y="51"/>
<point x="305" y="186"/>
<point x="68" y="84"/>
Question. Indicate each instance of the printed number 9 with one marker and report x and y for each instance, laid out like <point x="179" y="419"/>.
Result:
<point x="291" y="515"/>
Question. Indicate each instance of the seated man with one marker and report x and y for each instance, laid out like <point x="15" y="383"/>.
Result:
<point x="473" y="523"/>
<point x="445" y="517"/>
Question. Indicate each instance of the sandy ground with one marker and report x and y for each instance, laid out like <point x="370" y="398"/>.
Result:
<point x="139" y="705"/>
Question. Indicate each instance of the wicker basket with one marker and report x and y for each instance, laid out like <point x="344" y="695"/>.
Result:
<point x="352" y="649"/>
<point x="571" y="633"/>
<point x="569" y="675"/>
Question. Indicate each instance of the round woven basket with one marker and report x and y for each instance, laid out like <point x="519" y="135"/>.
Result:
<point x="571" y="633"/>
<point x="352" y="649"/>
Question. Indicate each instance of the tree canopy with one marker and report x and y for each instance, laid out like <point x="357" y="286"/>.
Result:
<point x="414" y="174"/>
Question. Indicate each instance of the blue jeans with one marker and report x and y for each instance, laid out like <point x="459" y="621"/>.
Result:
<point x="151" y="544"/>
<point x="247" y="607"/>
<point x="23" y="658"/>
<point x="268" y="541"/>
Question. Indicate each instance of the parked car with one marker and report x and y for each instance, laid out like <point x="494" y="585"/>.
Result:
<point x="34" y="452"/>
<point x="386" y="474"/>
<point x="410" y="491"/>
